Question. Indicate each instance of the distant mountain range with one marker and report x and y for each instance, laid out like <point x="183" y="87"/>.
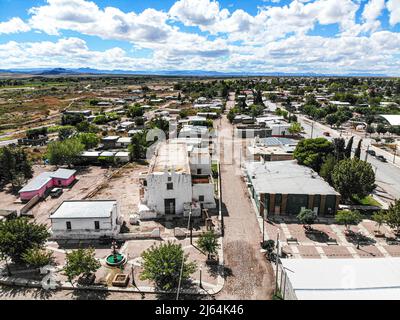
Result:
<point x="186" y="73"/>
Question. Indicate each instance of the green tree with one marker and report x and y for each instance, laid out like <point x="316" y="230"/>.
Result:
<point x="381" y="129"/>
<point x="138" y="146"/>
<point x="307" y="217"/>
<point x="295" y="128"/>
<point x="348" y="218"/>
<point x="162" y="264"/>
<point x="135" y="111"/>
<point x="86" y="126"/>
<point x="353" y="177"/>
<point x="393" y="216"/>
<point x="65" y="152"/>
<point x="208" y="242"/>
<point x="357" y="153"/>
<point x="160" y="123"/>
<point x="331" y="119"/>
<point x="81" y="262"/>
<point x="19" y="235"/>
<point x="370" y="129"/>
<point x="312" y="152"/>
<point x="37" y="257"/>
<point x="339" y="145"/>
<point x="327" y="168"/>
<point x="65" y="132"/>
<point x="380" y="218"/>
<point x="347" y="151"/>
<point x="14" y="165"/>
<point x="89" y="140"/>
<point x="231" y="115"/>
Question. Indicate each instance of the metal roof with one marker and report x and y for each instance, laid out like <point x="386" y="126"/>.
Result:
<point x="344" y="279"/>
<point x="277" y="141"/>
<point x="393" y="119"/>
<point x="286" y="177"/>
<point x="84" y="209"/>
<point x="63" y="174"/>
<point x="37" y="182"/>
<point x="42" y="179"/>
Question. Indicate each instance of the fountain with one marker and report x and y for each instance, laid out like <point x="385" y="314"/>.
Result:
<point x="115" y="259"/>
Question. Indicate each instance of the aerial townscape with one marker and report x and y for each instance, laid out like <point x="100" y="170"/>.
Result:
<point x="195" y="185"/>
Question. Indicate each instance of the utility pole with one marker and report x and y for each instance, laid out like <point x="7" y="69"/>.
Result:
<point x="394" y="156"/>
<point x="366" y="154"/>
<point x="276" y="263"/>
<point x="312" y="129"/>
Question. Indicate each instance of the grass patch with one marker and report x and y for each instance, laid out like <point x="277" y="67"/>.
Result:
<point x="367" y="201"/>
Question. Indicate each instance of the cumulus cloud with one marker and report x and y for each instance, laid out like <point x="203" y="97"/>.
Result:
<point x="13" y="25"/>
<point x="394" y="9"/>
<point x="276" y="38"/>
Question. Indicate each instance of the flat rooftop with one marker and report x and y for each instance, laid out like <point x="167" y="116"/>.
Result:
<point x="286" y="177"/>
<point x="84" y="209"/>
<point x="171" y="156"/>
<point x="39" y="181"/>
<point x="344" y="279"/>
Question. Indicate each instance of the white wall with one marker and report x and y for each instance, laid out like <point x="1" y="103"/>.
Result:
<point x="85" y="227"/>
<point x="157" y="190"/>
<point x="206" y="190"/>
<point x="200" y="161"/>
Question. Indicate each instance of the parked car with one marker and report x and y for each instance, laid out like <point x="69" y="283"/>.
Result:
<point x="381" y="158"/>
<point x="56" y="192"/>
<point x="327" y="134"/>
<point x="371" y="152"/>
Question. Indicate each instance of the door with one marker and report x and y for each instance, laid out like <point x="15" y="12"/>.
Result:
<point x="169" y="206"/>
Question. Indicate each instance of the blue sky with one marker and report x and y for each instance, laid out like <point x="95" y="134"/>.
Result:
<point x="328" y="36"/>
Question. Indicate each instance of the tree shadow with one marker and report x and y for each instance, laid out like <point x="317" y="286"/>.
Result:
<point x="35" y="293"/>
<point x="358" y="238"/>
<point x="78" y="244"/>
<point x="188" y="285"/>
<point x="81" y="294"/>
<point x="216" y="270"/>
<point x="317" y="235"/>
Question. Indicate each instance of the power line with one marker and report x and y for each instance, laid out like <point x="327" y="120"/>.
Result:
<point x="183" y="260"/>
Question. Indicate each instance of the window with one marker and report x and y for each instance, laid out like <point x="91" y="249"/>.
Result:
<point x="97" y="225"/>
<point x="198" y="171"/>
<point x="201" y="198"/>
<point x="169" y="179"/>
<point x="69" y="225"/>
<point x="170" y="186"/>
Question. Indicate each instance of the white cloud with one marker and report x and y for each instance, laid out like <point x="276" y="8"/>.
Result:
<point x="373" y="9"/>
<point x="276" y="38"/>
<point x="198" y="12"/>
<point x="68" y="52"/>
<point x="394" y="9"/>
<point x="13" y="25"/>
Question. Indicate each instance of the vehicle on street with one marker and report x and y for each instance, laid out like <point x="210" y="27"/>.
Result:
<point x="56" y="192"/>
<point x="381" y="158"/>
<point x="371" y="152"/>
<point x="327" y="134"/>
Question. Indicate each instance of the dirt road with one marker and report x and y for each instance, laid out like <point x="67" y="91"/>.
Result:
<point x="248" y="274"/>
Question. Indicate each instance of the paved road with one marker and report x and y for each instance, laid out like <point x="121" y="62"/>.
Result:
<point x="387" y="174"/>
<point x="249" y="275"/>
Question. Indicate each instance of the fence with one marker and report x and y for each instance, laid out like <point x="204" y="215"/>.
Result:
<point x="283" y="284"/>
<point x="25" y="209"/>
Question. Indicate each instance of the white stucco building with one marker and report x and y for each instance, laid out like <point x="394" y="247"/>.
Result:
<point x="86" y="219"/>
<point x="179" y="179"/>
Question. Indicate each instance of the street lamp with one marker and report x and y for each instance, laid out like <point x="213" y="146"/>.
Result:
<point x="201" y="284"/>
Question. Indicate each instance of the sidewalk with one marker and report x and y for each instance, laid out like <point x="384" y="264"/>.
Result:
<point x="207" y="288"/>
